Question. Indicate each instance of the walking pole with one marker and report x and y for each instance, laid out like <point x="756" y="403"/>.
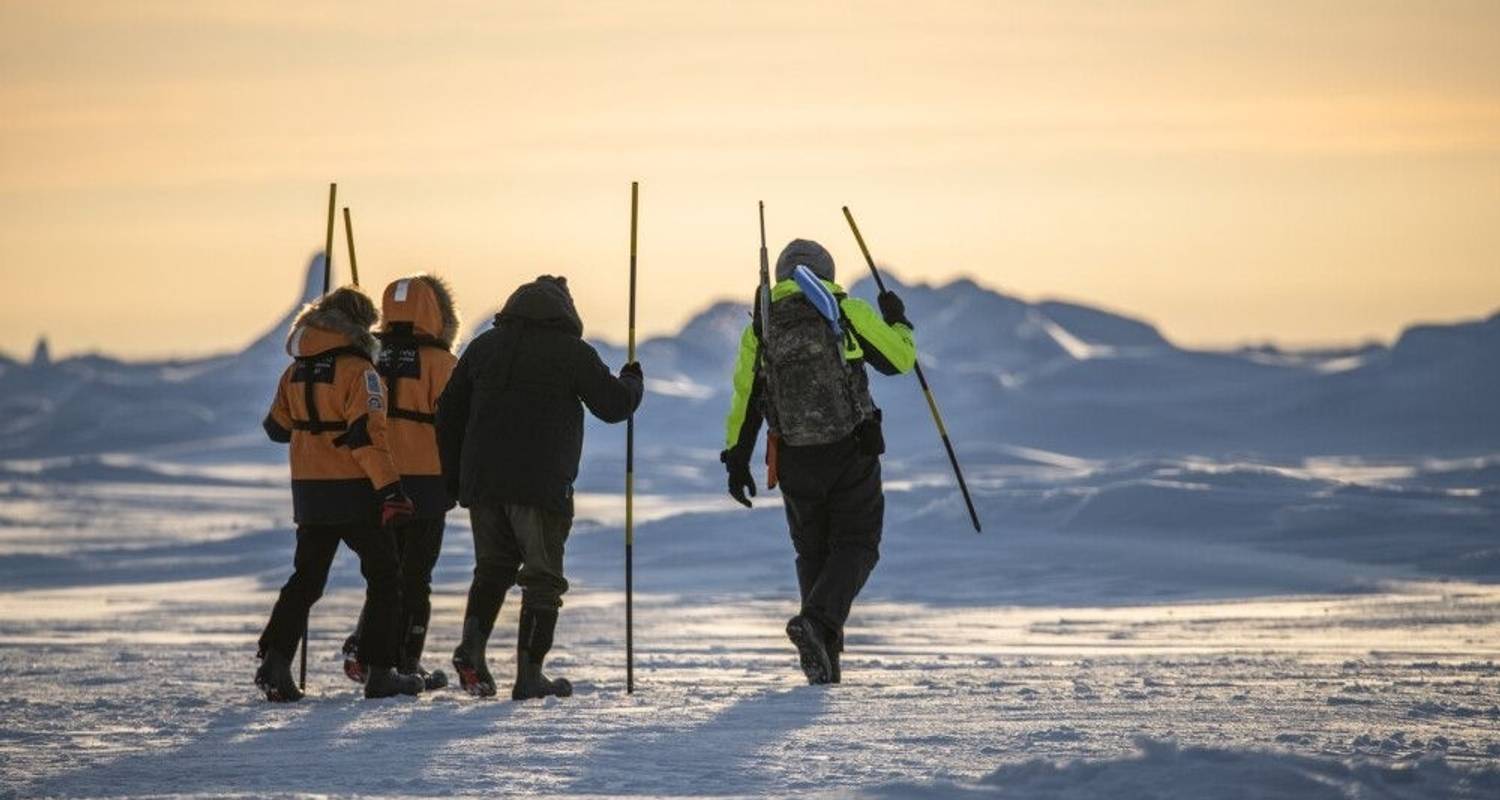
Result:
<point x="349" y="236"/>
<point x="333" y="190"/>
<point x="937" y="417"/>
<point x="630" y="469"/>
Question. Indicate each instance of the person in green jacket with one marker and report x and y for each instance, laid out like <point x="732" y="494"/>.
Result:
<point x="806" y="377"/>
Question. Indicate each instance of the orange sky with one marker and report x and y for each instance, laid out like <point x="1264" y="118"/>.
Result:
<point x="1301" y="171"/>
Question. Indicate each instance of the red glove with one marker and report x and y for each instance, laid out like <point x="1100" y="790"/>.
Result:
<point x="395" y="507"/>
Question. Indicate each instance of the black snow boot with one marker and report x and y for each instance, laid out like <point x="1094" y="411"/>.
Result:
<point x="834" y="644"/>
<point x="387" y="682"/>
<point x="274" y="677"/>
<point x="354" y="669"/>
<point x="468" y="660"/>
<point x="411" y="656"/>
<point x="436" y="679"/>
<point x="533" y="640"/>
<point x="809" y="638"/>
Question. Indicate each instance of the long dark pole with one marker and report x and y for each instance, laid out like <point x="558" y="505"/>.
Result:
<point x="630" y="469"/>
<point x="937" y="417"/>
<point x="349" y="237"/>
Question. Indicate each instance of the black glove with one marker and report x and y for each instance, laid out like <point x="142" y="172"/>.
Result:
<point x="893" y="310"/>
<point x="633" y="368"/>
<point x="395" y="507"/>
<point x="737" y="461"/>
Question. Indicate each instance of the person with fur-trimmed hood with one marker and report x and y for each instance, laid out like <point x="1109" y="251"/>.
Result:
<point x="330" y="406"/>
<point x="510" y="429"/>
<point x="418" y="327"/>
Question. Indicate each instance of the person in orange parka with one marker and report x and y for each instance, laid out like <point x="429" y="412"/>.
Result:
<point x="418" y="327"/>
<point x="330" y="406"/>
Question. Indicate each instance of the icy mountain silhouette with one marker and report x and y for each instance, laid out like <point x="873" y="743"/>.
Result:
<point x="92" y="404"/>
<point x="1052" y="375"/>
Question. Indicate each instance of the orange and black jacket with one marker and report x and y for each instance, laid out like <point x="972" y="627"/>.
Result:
<point x="330" y="405"/>
<point x="416" y="360"/>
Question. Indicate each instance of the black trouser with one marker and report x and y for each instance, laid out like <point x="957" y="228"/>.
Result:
<point x="418" y="544"/>
<point x="316" y="546"/>
<point x="835" y="509"/>
<point x="515" y="544"/>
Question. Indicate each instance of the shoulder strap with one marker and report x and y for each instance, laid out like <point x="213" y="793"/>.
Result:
<point x="393" y="409"/>
<point x="314" y="423"/>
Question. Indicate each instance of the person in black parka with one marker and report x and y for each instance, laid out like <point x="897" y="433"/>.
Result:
<point x="510" y="433"/>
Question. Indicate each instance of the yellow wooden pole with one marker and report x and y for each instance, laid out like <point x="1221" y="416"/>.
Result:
<point x="630" y="468"/>
<point x="349" y="236"/>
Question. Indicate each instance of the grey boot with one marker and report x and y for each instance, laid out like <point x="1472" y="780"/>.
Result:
<point x="533" y="640"/>
<point x="531" y="684"/>
<point x="387" y="682"/>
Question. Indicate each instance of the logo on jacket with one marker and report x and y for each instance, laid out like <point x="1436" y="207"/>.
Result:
<point x="372" y="383"/>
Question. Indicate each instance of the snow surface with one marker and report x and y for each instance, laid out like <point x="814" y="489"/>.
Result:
<point x="1058" y="656"/>
<point x="1203" y="574"/>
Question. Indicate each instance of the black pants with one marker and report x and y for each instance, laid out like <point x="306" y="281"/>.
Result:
<point x="516" y="544"/>
<point x="418" y="544"/>
<point x="835" y="508"/>
<point x="316" y="546"/>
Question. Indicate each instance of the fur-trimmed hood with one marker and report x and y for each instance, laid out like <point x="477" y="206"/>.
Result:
<point x="545" y="302"/>
<point x="318" y="330"/>
<point x="421" y="305"/>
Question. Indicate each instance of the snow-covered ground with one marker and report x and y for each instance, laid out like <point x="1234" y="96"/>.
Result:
<point x="1159" y="627"/>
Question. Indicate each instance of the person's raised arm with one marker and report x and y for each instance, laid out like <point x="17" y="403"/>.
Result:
<point x="608" y="397"/>
<point x="886" y="337"/>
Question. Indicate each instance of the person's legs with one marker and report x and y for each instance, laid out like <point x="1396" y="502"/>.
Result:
<point x="378" y="562"/>
<point x="497" y="558"/>
<point x="834" y="507"/>
<point x="378" y="641"/>
<point x="316" y="546"/>
<point x="420" y="541"/>
<point x="542" y="536"/>
<point x="856" y="512"/>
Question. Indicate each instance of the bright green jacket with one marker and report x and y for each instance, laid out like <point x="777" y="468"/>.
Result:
<point x="891" y="349"/>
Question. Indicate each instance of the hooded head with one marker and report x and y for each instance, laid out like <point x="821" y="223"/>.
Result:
<point x="341" y="318"/>
<point x="421" y="305"/>
<point x="544" y="302"/>
<point x="804" y="251"/>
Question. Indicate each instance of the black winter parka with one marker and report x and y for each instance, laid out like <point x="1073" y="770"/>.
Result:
<point x="510" y="422"/>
